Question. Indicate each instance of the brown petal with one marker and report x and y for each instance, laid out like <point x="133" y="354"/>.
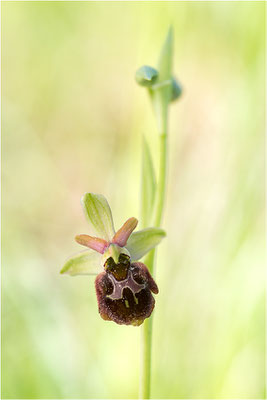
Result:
<point x="93" y="243"/>
<point x="122" y="235"/>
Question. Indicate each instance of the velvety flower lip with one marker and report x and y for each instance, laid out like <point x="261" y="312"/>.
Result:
<point x="123" y="285"/>
<point x="133" y="307"/>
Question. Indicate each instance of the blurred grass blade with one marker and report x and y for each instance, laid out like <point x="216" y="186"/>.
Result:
<point x="141" y="242"/>
<point x="148" y="186"/>
<point x="85" y="263"/>
<point x="98" y="213"/>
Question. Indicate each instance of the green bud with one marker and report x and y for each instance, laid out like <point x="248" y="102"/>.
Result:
<point x="146" y="76"/>
<point x="176" y="89"/>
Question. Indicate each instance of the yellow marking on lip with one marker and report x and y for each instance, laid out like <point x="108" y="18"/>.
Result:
<point x="127" y="303"/>
<point x="135" y="299"/>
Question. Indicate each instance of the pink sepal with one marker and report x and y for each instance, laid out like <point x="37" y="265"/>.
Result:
<point x="122" y="235"/>
<point x="93" y="243"/>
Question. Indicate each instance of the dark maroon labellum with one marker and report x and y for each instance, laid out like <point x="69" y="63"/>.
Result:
<point x="124" y="291"/>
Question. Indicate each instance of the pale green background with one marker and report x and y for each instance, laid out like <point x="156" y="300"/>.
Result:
<point x="73" y="120"/>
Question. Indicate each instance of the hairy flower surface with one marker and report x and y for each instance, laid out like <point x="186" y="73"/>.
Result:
<point x="123" y="285"/>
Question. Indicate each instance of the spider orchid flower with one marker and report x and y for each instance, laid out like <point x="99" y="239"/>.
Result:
<point x="123" y="284"/>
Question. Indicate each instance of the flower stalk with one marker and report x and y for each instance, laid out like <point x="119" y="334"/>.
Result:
<point x="146" y="330"/>
<point x="162" y="92"/>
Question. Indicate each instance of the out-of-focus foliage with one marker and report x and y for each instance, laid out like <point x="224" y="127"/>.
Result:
<point x="73" y="119"/>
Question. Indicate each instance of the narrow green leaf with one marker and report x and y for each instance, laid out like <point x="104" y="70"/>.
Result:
<point x="148" y="186"/>
<point x="165" y="59"/>
<point x="161" y="94"/>
<point x="84" y="263"/>
<point x="143" y="241"/>
<point x="98" y="213"/>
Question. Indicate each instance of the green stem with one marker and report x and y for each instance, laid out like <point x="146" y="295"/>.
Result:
<point x="145" y="373"/>
<point x="162" y="179"/>
<point x="146" y="330"/>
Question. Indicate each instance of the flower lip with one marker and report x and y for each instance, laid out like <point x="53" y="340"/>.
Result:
<point x="128" y="301"/>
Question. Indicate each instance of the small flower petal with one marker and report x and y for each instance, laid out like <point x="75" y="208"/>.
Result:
<point x="122" y="235"/>
<point x="85" y="263"/>
<point x="93" y="243"/>
<point x="143" y="241"/>
<point x="99" y="215"/>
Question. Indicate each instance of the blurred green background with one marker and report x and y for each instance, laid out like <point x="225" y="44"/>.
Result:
<point x="72" y="121"/>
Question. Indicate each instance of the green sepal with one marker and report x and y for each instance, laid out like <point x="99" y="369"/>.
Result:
<point x="146" y="75"/>
<point x="84" y="263"/>
<point x="148" y="186"/>
<point x="98" y="214"/>
<point x="141" y="242"/>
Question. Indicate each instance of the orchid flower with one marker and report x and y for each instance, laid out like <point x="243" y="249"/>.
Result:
<point x="123" y="284"/>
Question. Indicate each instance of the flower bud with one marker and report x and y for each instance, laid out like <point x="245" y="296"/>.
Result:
<point x="176" y="89"/>
<point x="146" y="76"/>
